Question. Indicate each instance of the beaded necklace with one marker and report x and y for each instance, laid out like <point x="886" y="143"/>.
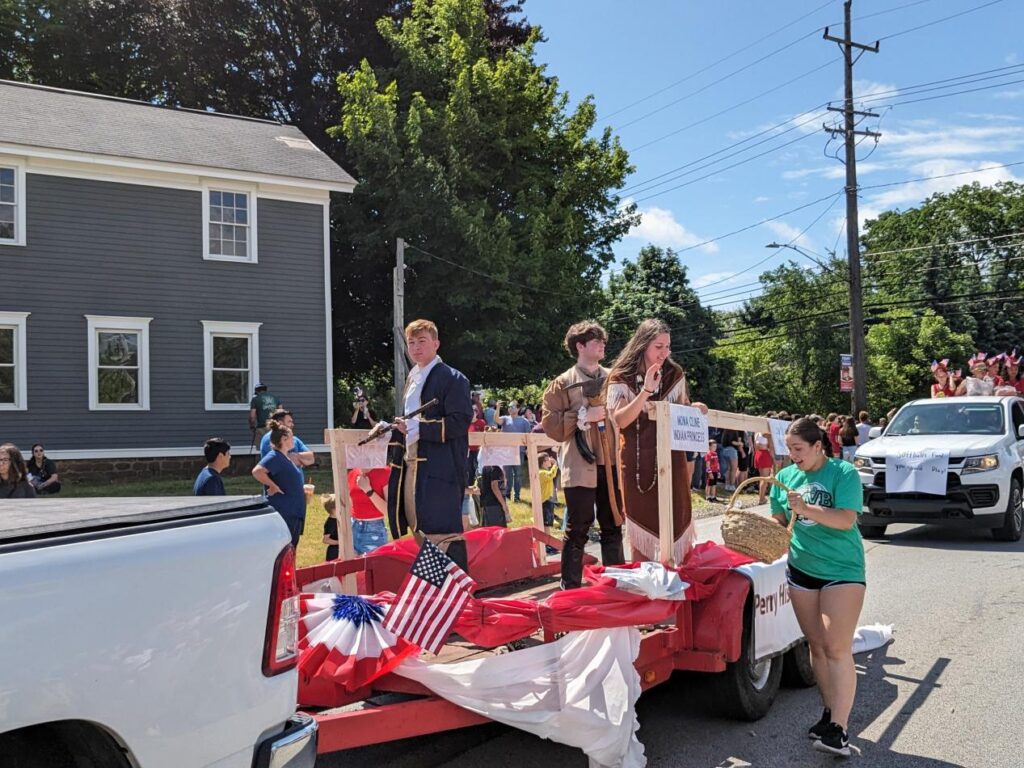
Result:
<point x="654" y="482"/>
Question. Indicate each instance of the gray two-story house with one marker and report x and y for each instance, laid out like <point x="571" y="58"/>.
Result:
<point x="155" y="265"/>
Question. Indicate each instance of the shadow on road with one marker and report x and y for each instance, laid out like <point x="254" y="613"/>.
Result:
<point x="938" y="537"/>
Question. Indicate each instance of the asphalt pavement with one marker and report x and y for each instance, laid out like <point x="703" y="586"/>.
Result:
<point x="948" y="692"/>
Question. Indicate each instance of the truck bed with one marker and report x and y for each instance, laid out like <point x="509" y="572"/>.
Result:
<point x="34" y="519"/>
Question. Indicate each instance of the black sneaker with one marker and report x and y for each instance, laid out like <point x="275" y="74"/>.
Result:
<point x="819" y="729"/>
<point x="834" y="741"/>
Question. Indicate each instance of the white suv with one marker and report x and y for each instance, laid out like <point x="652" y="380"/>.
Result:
<point x="985" y="440"/>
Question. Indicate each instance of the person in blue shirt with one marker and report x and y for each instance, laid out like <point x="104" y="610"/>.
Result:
<point x="300" y="455"/>
<point x="283" y="480"/>
<point x="208" y="482"/>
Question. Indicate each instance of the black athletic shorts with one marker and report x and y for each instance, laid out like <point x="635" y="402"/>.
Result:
<point x="800" y="580"/>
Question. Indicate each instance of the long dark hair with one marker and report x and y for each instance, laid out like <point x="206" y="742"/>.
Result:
<point x="18" y="470"/>
<point x="630" y="363"/>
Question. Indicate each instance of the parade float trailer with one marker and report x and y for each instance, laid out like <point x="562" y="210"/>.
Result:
<point x="712" y="631"/>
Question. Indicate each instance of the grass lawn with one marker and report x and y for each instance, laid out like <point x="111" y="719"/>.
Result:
<point x="311" y="547"/>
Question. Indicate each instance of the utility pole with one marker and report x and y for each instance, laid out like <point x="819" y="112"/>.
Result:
<point x="850" y="134"/>
<point x="398" y="325"/>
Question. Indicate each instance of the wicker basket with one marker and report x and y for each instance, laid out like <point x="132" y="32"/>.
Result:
<point x="754" y="535"/>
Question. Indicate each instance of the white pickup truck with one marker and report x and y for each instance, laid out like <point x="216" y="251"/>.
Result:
<point x="149" y="633"/>
<point x="985" y="440"/>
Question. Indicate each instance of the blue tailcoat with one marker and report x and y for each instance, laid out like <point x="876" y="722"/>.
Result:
<point x="444" y="444"/>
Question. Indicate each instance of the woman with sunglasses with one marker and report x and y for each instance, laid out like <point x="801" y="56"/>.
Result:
<point x="43" y="472"/>
<point x="14" y="482"/>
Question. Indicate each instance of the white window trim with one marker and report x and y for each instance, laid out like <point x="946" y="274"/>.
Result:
<point x="213" y="328"/>
<point x="19" y="203"/>
<point x="140" y="325"/>
<point x="17" y="320"/>
<point x="252" y="251"/>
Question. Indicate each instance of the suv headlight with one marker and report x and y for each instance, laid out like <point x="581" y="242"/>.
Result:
<point x="862" y="462"/>
<point x="984" y="463"/>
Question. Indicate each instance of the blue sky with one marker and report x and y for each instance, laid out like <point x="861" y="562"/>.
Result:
<point x="628" y="52"/>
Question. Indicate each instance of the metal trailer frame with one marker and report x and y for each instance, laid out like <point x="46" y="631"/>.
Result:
<point x="706" y="635"/>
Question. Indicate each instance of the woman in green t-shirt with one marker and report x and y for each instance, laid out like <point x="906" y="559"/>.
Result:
<point x="826" y="570"/>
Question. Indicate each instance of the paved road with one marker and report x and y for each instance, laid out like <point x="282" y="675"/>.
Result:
<point x="947" y="693"/>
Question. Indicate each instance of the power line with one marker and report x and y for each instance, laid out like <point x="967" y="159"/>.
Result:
<point x="492" y="278"/>
<point x="734" y="106"/>
<point x="717" y="171"/>
<point x="724" y="59"/>
<point x="941" y="176"/>
<point x="939" y="21"/>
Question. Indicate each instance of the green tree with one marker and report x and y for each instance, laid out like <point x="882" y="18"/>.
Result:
<point x="656" y="285"/>
<point x="785" y="343"/>
<point x="475" y="159"/>
<point x="976" y="285"/>
<point x="900" y="349"/>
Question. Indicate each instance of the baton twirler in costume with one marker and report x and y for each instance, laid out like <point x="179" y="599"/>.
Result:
<point x="574" y="415"/>
<point x="642" y="374"/>
<point x="428" y="453"/>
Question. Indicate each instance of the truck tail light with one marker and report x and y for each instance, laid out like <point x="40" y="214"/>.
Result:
<point x="280" y="650"/>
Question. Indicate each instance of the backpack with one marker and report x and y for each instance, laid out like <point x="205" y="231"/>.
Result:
<point x="265" y="404"/>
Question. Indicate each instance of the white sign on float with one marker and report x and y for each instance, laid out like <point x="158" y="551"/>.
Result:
<point x="778" y="428"/>
<point x="689" y="429"/>
<point x="917" y="472"/>
<point x="507" y="456"/>
<point x="370" y="456"/>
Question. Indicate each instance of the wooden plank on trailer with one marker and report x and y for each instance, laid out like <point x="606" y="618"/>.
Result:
<point x="536" y="502"/>
<point x="663" y="425"/>
<point x="342" y="502"/>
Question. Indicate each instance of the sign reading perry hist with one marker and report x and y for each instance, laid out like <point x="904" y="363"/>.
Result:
<point x="779" y="427"/>
<point x="689" y="429"/>
<point x="922" y="471"/>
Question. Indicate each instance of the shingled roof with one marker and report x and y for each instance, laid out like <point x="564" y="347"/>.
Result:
<point x="54" y="118"/>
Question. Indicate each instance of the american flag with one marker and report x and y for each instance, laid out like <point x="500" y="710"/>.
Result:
<point x="430" y="600"/>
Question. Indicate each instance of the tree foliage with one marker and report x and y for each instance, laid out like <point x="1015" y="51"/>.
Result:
<point x="656" y="285"/>
<point x="476" y="160"/>
<point x="976" y="285"/>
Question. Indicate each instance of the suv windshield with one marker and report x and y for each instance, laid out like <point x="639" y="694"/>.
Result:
<point x="948" y="419"/>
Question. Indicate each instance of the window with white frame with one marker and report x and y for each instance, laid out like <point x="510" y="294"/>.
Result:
<point x="12" y="207"/>
<point x="229" y="218"/>
<point x="13" y="377"/>
<point x="231" y="355"/>
<point x="118" y="363"/>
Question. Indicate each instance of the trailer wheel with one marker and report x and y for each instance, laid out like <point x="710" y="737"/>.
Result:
<point x="796" y="667"/>
<point x="746" y="690"/>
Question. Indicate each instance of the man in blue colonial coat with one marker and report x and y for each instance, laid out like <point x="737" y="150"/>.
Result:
<point x="428" y="454"/>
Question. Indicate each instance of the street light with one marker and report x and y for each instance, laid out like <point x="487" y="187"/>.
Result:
<point x="802" y="253"/>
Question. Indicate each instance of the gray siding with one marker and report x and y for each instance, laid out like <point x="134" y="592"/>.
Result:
<point x="101" y="248"/>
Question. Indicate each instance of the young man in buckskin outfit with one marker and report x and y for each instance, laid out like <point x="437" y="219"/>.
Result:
<point x="573" y="421"/>
<point x="428" y="453"/>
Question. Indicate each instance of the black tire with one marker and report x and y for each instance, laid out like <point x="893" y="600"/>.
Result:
<point x="745" y="691"/>
<point x="796" y="667"/>
<point x="1010" y="530"/>
<point x="872" y="531"/>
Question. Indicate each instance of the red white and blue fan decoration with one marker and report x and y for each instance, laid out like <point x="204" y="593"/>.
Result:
<point x="343" y="642"/>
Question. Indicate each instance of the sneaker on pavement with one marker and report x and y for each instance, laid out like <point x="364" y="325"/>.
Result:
<point x="834" y="741"/>
<point x="818" y="730"/>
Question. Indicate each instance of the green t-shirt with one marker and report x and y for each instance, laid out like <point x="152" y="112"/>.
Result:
<point x="817" y="550"/>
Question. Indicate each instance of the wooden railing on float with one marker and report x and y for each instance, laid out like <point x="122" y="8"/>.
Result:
<point x="339" y="439"/>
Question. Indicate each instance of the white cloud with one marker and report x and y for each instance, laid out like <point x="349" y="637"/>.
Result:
<point x="953" y="141"/>
<point x="986" y="173"/>
<point x="836" y="171"/>
<point x="789" y="234"/>
<point x="1011" y="58"/>
<point x="761" y="199"/>
<point x="1011" y="95"/>
<point x="659" y="226"/>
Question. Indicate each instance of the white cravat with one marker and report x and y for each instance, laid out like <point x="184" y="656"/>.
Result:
<point x="417" y="377"/>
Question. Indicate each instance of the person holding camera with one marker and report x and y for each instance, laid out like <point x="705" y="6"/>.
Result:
<point x="363" y="416"/>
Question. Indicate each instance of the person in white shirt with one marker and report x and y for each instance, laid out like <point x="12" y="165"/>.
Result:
<point x="428" y="453"/>
<point x="863" y="427"/>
